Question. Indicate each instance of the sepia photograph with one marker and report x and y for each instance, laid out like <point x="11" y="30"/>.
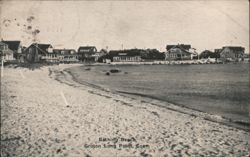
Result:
<point x="124" y="78"/>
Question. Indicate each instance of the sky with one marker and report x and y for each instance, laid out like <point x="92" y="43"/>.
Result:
<point x="127" y="24"/>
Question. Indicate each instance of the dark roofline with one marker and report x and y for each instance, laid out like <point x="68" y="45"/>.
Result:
<point x="10" y="41"/>
<point x="86" y="47"/>
<point x="3" y="43"/>
<point x="12" y="44"/>
<point x="179" y="47"/>
<point x="64" y="49"/>
<point x="129" y="52"/>
<point x="184" y="46"/>
<point x="39" y="44"/>
<point x="207" y="51"/>
<point x="235" y="48"/>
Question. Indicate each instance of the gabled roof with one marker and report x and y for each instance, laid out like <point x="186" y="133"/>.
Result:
<point x="13" y="45"/>
<point x="183" y="46"/>
<point x="41" y="47"/>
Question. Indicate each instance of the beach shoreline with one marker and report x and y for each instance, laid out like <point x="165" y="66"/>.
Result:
<point x="237" y="123"/>
<point x="46" y="112"/>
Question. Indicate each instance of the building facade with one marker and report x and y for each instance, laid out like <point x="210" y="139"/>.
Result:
<point x="232" y="53"/>
<point x="179" y="52"/>
<point x="131" y="55"/>
<point x="40" y="53"/>
<point x="66" y="55"/>
<point x="15" y="46"/>
<point x="209" y="54"/>
<point x="7" y="54"/>
<point x="87" y="53"/>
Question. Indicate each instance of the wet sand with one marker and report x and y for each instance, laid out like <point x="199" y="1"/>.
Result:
<point x="44" y="112"/>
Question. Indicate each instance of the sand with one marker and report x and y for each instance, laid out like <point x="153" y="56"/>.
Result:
<point x="45" y="113"/>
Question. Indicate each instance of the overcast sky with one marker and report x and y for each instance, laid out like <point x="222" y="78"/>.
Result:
<point x="140" y="24"/>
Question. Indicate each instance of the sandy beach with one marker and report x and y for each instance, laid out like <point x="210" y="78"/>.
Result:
<point x="44" y="112"/>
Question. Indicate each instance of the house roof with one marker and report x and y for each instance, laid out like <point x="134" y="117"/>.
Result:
<point x="87" y="48"/>
<point x="180" y="48"/>
<point x="183" y="46"/>
<point x="206" y="52"/>
<point x="8" y="51"/>
<point x="2" y="43"/>
<point x="129" y="52"/>
<point x="13" y="45"/>
<point x="235" y="48"/>
<point x="41" y="47"/>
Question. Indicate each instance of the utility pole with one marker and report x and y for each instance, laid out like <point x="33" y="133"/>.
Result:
<point x="2" y="64"/>
<point x="2" y="68"/>
<point x="36" y="52"/>
<point x="168" y="51"/>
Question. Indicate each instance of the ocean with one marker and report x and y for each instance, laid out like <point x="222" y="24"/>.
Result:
<point x="219" y="89"/>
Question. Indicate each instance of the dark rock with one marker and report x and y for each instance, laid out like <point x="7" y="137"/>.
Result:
<point x="115" y="70"/>
<point x="58" y="151"/>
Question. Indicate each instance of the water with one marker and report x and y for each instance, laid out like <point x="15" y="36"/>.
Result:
<point x="220" y="89"/>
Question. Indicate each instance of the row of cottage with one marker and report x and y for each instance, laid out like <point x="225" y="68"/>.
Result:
<point x="13" y="51"/>
<point x="36" y="52"/>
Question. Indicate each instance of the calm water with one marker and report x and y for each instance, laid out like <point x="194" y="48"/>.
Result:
<point x="221" y="89"/>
